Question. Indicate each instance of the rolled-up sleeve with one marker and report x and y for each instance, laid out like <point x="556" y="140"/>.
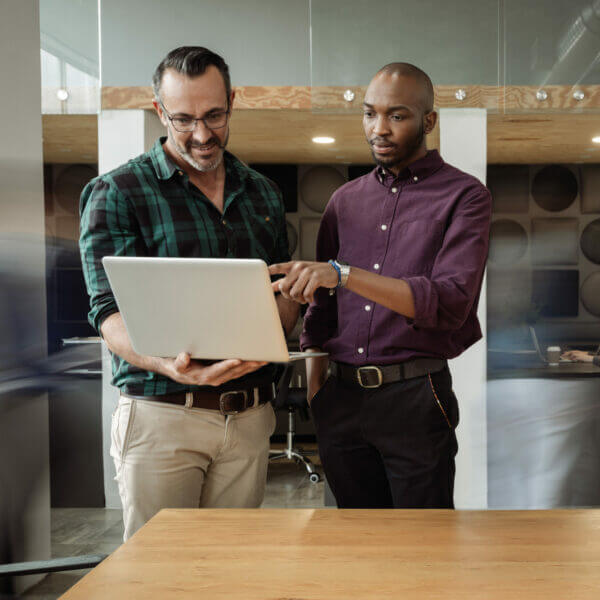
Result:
<point x="107" y="229"/>
<point x="320" y="320"/>
<point x="445" y="299"/>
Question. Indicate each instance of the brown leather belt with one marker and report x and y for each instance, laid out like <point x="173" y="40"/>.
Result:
<point x="231" y="402"/>
<point x="373" y="376"/>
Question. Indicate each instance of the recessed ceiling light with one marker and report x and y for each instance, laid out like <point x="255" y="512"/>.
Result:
<point x="596" y="139"/>
<point x="62" y="94"/>
<point x="323" y="140"/>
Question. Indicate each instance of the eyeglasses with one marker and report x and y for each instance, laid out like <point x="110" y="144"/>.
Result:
<point x="214" y="120"/>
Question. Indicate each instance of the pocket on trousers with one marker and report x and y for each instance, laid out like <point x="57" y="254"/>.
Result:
<point x="319" y="393"/>
<point x="121" y="426"/>
<point x="273" y="419"/>
<point x="440" y="384"/>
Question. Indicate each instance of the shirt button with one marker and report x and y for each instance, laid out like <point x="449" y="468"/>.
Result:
<point x="224" y="222"/>
<point x="384" y="227"/>
<point x="367" y="307"/>
<point x="415" y="178"/>
<point x="361" y="350"/>
<point x="376" y="266"/>
<point x="394" y="190"/>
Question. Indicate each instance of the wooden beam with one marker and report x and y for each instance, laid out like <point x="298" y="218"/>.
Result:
<point x="285" y="136"/>
<point x="70" y="138"/>
<point x="327" y="98"/>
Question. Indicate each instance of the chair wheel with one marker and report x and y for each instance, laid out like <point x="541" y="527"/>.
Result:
<point x="314" y="477"/>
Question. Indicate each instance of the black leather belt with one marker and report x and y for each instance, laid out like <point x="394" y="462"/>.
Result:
<point x="231" y="402"/>
<point x="373" y="376"/>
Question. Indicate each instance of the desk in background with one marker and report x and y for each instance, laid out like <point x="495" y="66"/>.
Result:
<point x="544" y="437"/>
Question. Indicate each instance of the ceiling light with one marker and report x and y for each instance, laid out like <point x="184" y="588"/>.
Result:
<point x="596" y="139"/>
<point x="62" y="94"/>
<point x="323" y="139"/>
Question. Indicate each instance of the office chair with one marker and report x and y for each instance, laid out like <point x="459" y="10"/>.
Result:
<point x="293" y="400"/>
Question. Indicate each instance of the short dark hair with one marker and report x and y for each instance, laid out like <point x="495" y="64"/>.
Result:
<point x="191" y="61"/>
<point x="424" y="81"/>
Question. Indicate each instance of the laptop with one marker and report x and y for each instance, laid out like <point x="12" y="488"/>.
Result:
<point x="531" y="356"/>
<point x="211" y="308"/>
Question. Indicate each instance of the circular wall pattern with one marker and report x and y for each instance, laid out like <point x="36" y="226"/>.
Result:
<point x="69" y="184"/>
<point x="292" y="237"/>
<point x="590" y="294"/>
<point x="508" y="241"/>
<point x="590" y="241"/>
<point x="554" y="188"/>
<point x="318" y="184"/>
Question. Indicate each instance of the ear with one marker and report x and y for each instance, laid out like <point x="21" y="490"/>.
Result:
<point x="159" y="112"/>
<point x="429" y="121"/>
<point x="231" y="98"/>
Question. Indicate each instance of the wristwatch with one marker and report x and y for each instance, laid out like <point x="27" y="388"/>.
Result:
<point x="344" y="272"/>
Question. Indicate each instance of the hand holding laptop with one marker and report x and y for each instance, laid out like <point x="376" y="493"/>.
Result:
<point x="208" y="308"/>
<point x="187" y="371"/>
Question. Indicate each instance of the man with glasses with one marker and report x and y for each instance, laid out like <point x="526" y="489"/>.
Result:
<point x="401" y="255"/>
<point x="185" y="433"/>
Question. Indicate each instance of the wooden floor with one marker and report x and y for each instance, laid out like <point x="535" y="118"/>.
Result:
<point x="77" y="531"/>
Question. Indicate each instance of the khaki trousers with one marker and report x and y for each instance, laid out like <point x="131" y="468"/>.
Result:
<point x="169" y="456"/>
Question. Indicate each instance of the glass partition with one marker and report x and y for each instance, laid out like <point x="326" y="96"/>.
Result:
<point x="551" y="55"/>
<point x="456" y="43"/>
<point x="552" y="43"/>
<point x="69" y="56"/>
<point x="515" y="52"/>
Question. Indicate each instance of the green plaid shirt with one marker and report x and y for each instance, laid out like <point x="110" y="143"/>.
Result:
<point x="148" y="207"/>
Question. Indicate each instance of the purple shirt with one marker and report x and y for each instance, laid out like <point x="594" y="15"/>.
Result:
<point x="428" y="226"/>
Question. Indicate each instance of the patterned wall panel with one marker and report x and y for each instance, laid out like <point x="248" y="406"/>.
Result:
<point x="558" y="208"/>
<point x="554" y="241"/>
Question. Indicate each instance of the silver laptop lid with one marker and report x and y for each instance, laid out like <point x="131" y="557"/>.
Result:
<point x="210" y="308"/>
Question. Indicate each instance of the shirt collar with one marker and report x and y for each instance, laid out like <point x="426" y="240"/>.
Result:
<point x="162" y="164"/>
<point x="420" y="169"/>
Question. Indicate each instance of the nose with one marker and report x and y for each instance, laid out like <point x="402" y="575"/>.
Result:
<point x="381" y="125"/>
<point x="201" y="133"/>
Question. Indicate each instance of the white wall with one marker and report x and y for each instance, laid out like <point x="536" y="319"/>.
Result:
<point x="463" y="144"/>
<point x="24" y="437"/>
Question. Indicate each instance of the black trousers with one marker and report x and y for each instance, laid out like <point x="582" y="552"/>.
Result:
<point x="389" y="447"/>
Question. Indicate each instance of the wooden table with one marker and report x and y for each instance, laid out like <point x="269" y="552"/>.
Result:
<point x="288" y="554"/>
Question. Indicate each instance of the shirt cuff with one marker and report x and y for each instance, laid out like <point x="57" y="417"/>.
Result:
<point x="308" y="340"/>
<point x="425" y="302"/>
<point x="98" y="316"/>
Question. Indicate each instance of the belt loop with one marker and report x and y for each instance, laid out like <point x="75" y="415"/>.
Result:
<point x="189" y="399"/>
<point x="256" y="397"/>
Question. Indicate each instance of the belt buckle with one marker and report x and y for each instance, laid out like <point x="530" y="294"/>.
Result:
<point x="361" y="370"/>
<point x="225" y="395"/>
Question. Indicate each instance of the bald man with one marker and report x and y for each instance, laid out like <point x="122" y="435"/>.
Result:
<point x="401" y="254"/>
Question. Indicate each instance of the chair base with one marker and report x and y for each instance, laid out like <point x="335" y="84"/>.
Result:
<point x="300" y="456"/>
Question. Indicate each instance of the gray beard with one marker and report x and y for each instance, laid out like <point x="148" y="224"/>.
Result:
<point x="190" y="161"/>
